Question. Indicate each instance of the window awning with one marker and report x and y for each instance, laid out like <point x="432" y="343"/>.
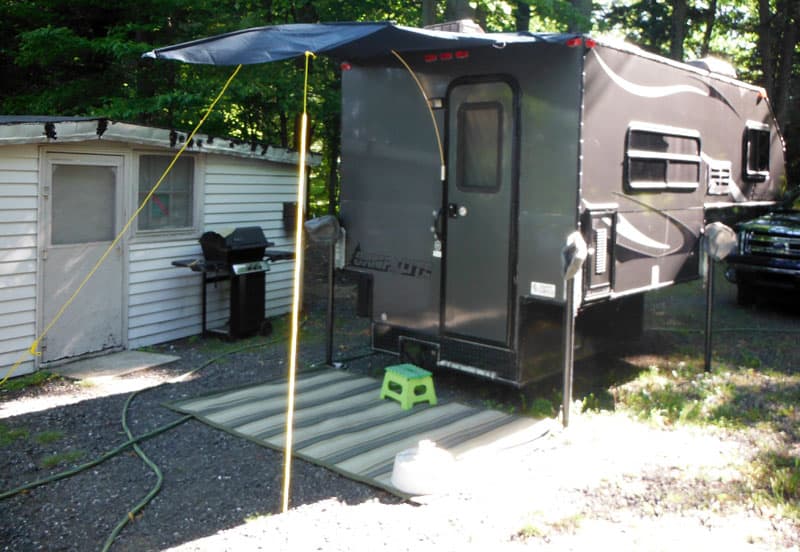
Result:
<point x="350" y="40"/>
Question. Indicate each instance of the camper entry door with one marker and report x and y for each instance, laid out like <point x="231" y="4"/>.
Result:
<point x="477" y="276"/>
<point x="82" y="206"/>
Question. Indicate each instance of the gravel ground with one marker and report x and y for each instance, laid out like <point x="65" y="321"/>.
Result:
<point x="606" y="480"/>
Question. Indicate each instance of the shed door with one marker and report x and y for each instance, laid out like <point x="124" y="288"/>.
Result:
<point x="481" y="177"/>
<point x="82" y="208"/>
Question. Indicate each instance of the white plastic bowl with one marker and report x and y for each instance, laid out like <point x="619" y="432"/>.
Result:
<point x="424" y="469"/>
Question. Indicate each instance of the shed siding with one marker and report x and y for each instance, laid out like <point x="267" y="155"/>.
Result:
<point x="19" y="174"/>
<point x="164" y="302"/>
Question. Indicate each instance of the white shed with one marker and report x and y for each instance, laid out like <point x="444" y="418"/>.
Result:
<point x="67" y="187"/>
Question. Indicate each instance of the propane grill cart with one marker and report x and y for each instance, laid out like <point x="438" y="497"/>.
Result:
<point x="242" y="257"/>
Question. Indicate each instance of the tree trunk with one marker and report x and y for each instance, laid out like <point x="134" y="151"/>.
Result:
<point x="711" y="18"/>
<point x="582" y="22"/>
<point x="428" y="12"/>
<point x="766" y="45"/>
<point x="677" y="33"/>
<point x="333" y="147"/>
<point x="790" y="18"/>
<point x="283" y="129"/>
<point x="523" y="16"/>
<point x="458" y="9"/>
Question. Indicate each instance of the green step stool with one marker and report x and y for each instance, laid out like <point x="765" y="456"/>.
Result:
<point x="408" y="378"/>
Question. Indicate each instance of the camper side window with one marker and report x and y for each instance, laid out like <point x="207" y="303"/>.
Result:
<point x="172" y="205"/>
<point x="756" y="151"/>
<point x="480" y="146"/>
<point x="662" y="158"/>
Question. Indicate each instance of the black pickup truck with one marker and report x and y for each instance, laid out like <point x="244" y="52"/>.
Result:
<point x="768" y="254"/>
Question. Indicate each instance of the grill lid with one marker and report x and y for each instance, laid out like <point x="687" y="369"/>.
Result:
<point x="243" y="244"/>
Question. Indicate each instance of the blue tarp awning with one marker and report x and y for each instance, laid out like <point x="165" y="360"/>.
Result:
<point x="351" y="40"/>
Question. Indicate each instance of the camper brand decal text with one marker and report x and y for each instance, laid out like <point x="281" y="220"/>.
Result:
<point x="380" y="262"/>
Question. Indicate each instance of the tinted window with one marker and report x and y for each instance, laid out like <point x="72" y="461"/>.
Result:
<point x="666" y="159"/>
<point x="757" y="152"/>
<point x="479" y="146"/>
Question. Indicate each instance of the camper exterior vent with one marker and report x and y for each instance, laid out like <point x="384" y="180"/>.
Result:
<point x="467" y="26"/>
<point x="719" y="175"/>
<point x="601" y="248"/>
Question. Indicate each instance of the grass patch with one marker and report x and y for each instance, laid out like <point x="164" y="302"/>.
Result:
<point x="541" y="408"/>
<point x="47" y="437"/>
<point x="733" y="398"/>
<point x="31" y="380"/>
<point x="59" y="458"/>
<point x="775" y="477"/>
<point x="530" y="531"/>
<point x="10" y="435"/>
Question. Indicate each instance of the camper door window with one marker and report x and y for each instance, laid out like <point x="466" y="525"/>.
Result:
<point x="662" y="158"/>
<point x="172" y="205"/>
<point x="480" y="146"/>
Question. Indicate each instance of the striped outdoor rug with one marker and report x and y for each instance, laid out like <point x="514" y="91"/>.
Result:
<point x="341" y="423"/>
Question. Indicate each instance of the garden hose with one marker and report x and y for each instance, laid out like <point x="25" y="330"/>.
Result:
<point x="99" y="460"/>
<point x="149" y="496"/>
<point x="134" y="441"/>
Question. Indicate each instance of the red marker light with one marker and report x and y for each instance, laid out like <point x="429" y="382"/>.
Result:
<point x="462" y="54"/>
<point x="590" y="43"/>
<point x="573" y="42"/>
<point x="430" y="58"/>
<point x="345" y="66"/>
<point x="446" y="56"/>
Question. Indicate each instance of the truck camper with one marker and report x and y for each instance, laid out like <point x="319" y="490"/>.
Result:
<point x="496" y="185"/>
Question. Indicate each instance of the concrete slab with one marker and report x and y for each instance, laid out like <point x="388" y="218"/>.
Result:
<point x="115" y="364"/>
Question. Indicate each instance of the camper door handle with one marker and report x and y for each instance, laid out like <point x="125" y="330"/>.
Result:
<point x="436" y="228"/>
<point x="456" y="211"/>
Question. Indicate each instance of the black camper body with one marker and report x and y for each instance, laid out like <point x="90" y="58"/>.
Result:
<point x="462" y="267"/>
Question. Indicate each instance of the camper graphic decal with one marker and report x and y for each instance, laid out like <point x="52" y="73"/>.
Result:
<point x="675" y="236"/>
<point x="646" y="91"/>
<point x="380" y="262"/>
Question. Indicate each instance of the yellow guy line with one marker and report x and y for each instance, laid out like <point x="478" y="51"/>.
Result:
<point x="298" y="272"/>
<point x="430" y="110"/>
<point x="35" y="345"/>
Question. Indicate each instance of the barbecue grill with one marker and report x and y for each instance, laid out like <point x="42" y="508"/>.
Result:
<point x="238" y="256"/>
<point x="241" y="253"/>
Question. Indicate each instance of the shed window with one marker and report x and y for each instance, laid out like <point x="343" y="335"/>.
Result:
<point x="172" y="205"/>
<point x="480" y="146"/>
<point x="756" y="151"/>
<point x="662" y="158"/>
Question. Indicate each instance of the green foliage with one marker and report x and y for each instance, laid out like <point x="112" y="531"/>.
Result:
<point x="60" y="458"/>
<point x="83" y="57"/>
<point x="733" y="398"/>
<point x="596" y="402"/>
<point x="776" y="478"/>
<point x="47" y="437"/>
<point x="31" y="380"/>
<point x="10" y="435"/>
<point x="541" y="407"/>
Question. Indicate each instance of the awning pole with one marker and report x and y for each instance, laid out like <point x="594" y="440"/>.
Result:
<point x="569" y="351"/>
<point x="709" y="312"/>
<point x="298" y="273"/>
